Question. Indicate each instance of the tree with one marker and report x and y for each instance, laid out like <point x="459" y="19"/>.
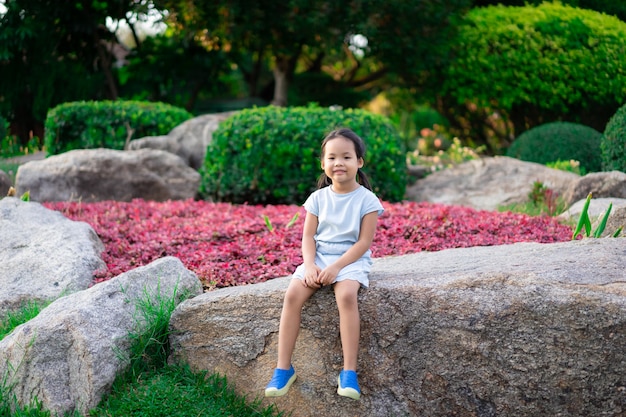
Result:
<point x="404" y="37"/>
<point x="53" y="52"/>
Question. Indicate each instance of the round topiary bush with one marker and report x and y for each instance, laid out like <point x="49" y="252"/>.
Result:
<point x="559" y="141"/>
<point x="270" y="155"/>
<point x="613" y="142"/>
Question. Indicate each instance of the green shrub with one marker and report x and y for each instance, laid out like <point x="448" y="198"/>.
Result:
<point x="613" y="142"/>
<point x="270" y="155"/>
<point x="534" y="64"/>
<point x="562" y="141"/>
<point x="107" y="124"/>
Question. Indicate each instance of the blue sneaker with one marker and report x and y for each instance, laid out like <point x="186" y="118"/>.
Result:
<point x="280" y="383"/>
<point x="348" y="385"/>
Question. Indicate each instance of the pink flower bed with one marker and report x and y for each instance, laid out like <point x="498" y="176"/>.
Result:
<point x="228" y="244"/>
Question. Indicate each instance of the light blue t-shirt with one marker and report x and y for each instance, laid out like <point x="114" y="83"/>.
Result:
<point x="339" y="215"/>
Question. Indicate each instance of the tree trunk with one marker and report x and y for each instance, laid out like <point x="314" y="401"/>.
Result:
<point x="283" y="73"/>
<point x="281" y="82"/>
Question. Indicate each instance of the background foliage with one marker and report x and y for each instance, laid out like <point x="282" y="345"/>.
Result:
<point x="518" y="67"/>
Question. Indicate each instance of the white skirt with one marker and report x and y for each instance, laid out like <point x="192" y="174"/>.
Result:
<point x="327" y="253"/>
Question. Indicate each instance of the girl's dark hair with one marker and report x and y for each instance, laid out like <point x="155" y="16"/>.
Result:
<point x="359" y="147"/>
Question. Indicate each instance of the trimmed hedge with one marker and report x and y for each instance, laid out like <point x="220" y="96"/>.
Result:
<point x="107" y="124"/>
<point x="270" y="155"/>
<point x="613" y="142"/>
<point x="549" y="58"/>
<point x="559" y="141"/>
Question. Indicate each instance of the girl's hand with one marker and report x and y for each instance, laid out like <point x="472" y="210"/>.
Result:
<point x="311" y="276"/>
<point x="327" y="275"/>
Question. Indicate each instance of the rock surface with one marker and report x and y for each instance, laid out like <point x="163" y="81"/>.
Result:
<point x="43" y="254"/>
<point x="517" y="330"/>
<point x="5" y="183"/>
<point x="600" y="184"/>
<point x="488" y="183"/>
<point x="68" y="356"/>
<point x="188" y="140"/>
<point x="105" y="174"/>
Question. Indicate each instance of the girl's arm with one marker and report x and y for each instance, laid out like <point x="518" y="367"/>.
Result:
<point x="311" y="270"/>
<point x="366" y="236"/>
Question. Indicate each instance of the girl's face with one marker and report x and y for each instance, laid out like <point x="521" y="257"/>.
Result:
<point x="341" y="164"/>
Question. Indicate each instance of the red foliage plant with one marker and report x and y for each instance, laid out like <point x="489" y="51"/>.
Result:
<point x="227" y="244"/>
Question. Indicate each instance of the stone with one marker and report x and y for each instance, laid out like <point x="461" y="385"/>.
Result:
<point x="43" y="255"/>
<point x="599" y="184"/>
<point x="488" y="183"/>
<point x="69" y="355"/>
<point x="526" y="329"/>
<point x="91" y="175"/>
<point x="5" y="183"/>
<point x="188" y="140"/>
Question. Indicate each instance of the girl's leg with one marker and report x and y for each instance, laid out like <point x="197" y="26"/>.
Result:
<point x="349" y="321"/>
<point x="289" y="328"/>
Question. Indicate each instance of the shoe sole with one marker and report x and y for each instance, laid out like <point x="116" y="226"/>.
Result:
<point x="347" y="392"/>
<point x="275" y="392"/>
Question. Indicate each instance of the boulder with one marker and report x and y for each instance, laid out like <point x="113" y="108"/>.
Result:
<point x="188" y="140"/>
<point x="5" y="183"/>
<point x="526" y="329"/>
<point x="43" y="255"/>
<point x="600" y="184"/>
<point x="105" y="174"/>
<point x="488" y="183"/>
<point x="69" y="355"/>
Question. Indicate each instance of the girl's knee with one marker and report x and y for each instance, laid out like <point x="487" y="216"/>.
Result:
<point x="347" y="295"/>
<point x="296" y="294"/>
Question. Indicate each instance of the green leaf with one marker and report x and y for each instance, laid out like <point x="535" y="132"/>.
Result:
<point x="602" y="224"/>
<point x="268" y="223"/>
<point x="293" y="220"/>
<point x="583" y="220"/>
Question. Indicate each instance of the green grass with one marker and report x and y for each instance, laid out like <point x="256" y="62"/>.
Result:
<point x="178" y="391"/>
<point x="26" y="312"/>
<point x="149" y="387"/>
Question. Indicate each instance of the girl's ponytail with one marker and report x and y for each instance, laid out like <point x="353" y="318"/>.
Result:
<point x="363" y="180"/>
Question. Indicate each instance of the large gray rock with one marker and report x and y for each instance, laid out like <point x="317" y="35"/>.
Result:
<point x="188" y="140"/>
<point x="105" y="174"/>
<point x="518" y="330"/>
<point x="43" y="254"/>
<point x="488" y="183"/>
<point x="5" y="183"/>
<point x="68" y="356"/>
<point x="600" y="184"/>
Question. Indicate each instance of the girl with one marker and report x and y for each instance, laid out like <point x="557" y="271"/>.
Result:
<point x="339" y="227"/>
